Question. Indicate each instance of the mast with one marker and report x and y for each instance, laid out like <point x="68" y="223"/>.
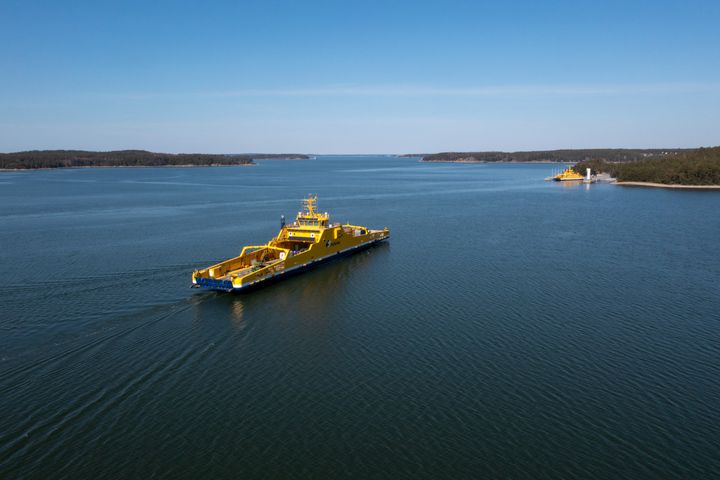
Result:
<point x="309" y="204"/>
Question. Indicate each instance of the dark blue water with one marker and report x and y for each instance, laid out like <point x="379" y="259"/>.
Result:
<point x="511" y="328"/>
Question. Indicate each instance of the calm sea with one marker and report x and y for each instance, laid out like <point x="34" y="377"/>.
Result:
<point x="510" y="328"/>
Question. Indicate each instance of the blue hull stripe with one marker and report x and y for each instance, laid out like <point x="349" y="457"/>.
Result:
<point x="214" y="284"/>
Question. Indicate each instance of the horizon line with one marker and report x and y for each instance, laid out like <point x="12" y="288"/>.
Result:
<point x="389" y="154"/>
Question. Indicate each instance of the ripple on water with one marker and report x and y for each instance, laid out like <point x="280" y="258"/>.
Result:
<point x="510" y="328"/>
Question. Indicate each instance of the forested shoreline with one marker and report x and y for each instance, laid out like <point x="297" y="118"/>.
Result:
<point x="694" y="167"/>
<point x="35" y="159"/>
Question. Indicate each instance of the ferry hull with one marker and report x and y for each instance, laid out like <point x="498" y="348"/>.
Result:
<point x="227" y="286"/>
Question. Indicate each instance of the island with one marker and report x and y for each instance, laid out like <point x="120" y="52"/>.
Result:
<point x="552" y="156"/>
<point x="699" y="168"/>
<point x="36" y="159"/>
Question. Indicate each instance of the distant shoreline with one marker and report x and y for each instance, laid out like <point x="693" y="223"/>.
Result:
<point x="667" y="185"/>
<point x="489" y="161"/>
<point x="553" y="156"/>
<point x="46" y="159"/>
<point x="128" y="166"/>
<point x="287" y="158"/>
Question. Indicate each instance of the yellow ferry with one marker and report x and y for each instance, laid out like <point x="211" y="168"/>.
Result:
<point x="310" y="240"/>
<point x="568" y="175"/>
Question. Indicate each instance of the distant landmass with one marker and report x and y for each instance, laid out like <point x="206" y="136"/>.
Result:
<point x="570" y="156"/>
<point x="699" y="167"/>
<point x="128" y="158"/>
<point x="644" y="167"/>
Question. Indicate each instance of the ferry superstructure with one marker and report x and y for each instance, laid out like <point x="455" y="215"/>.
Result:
<point x="308" y="241"/>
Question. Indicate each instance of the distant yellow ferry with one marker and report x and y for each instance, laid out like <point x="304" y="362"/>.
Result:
<point x="568" y="175"/>
<point x="310" y="240"/>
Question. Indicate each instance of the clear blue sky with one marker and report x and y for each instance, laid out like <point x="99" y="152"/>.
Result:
<point x="358" y="77"/>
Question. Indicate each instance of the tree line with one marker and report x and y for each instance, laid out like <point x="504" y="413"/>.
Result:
<point x="574" y="155"/>
<point x="124" y="158"/>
